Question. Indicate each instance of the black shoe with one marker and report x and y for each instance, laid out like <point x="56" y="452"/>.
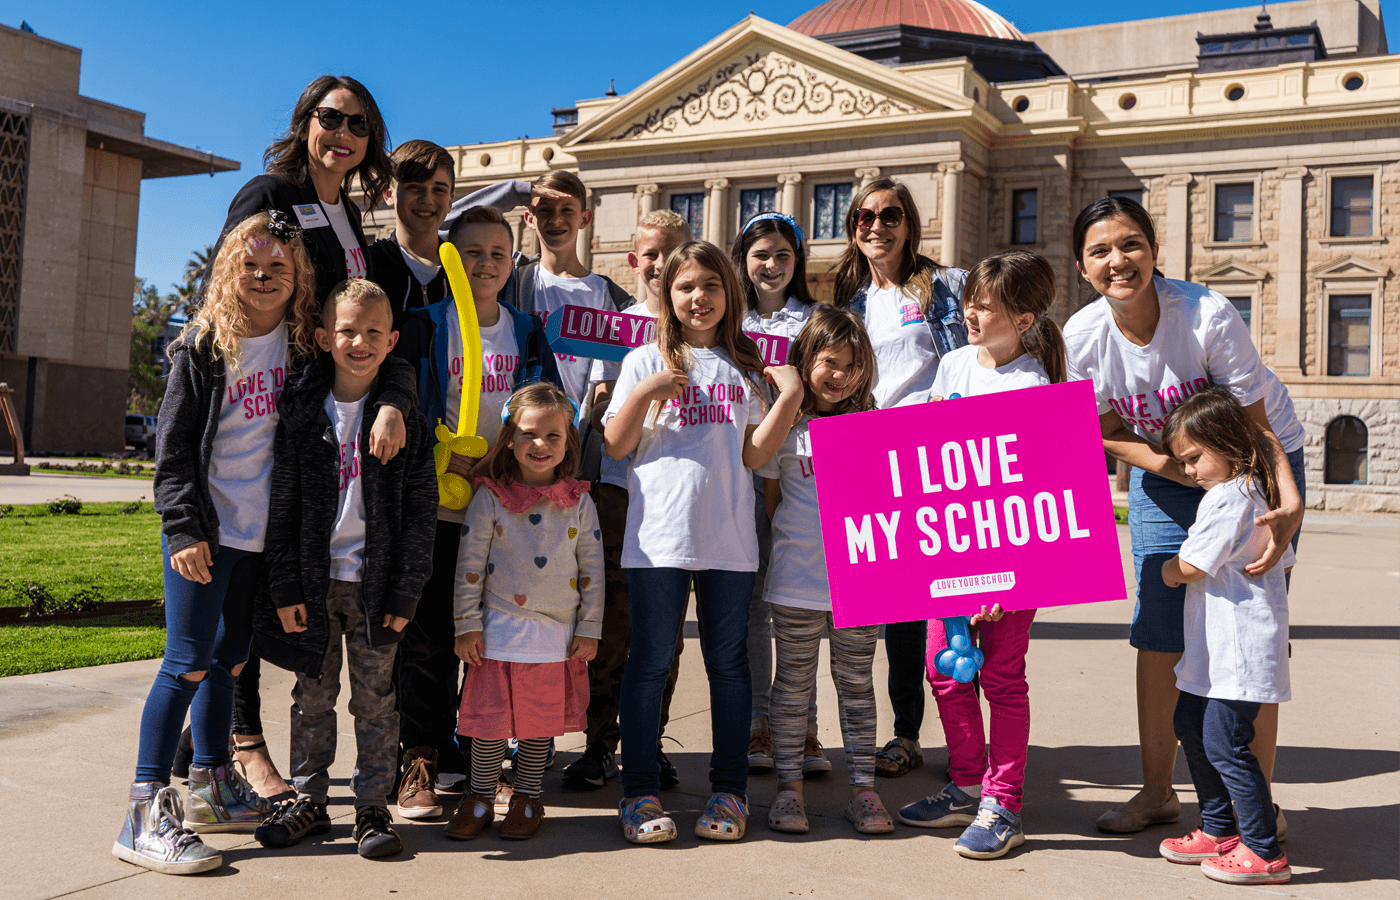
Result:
<point x="374" y="832"/>
<point x="591" y="770"/>
<point x="450" y="783"/>
<point x="292" y="821"/>
<point x="184" y="755"/>
<point x="669" y="776"/>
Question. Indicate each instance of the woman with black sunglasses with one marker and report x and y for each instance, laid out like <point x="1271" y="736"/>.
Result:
<point x="336" y="131"/>
<point x="912" y="307"/>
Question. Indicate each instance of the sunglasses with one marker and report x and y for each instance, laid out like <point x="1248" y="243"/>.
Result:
<point x="330" y="119"/>
<point x="890" y="217"/>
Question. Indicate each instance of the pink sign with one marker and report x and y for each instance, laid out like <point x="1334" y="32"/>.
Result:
<point x="934" y="510"/>
<point x="604" y="334"/>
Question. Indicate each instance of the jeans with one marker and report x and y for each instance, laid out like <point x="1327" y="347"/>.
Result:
<point x="905" y="648"/>
<point x="208" y="628"/>
<point x="659" y="598"/>
<point x="1215" y="736"/>
<point x="998" y="764"/>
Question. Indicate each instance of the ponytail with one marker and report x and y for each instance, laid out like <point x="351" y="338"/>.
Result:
<point x="1044" y="341"/>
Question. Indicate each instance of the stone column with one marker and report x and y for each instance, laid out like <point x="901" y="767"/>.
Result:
<point x="584" y="243"/>
<point x="1288" y="341"/>
<point x="1177" y="237"/>
<point x="952" y="209"/>
<point x="716" y="210"/>
<point x="867" y="175"/>
<point x="646" y="199"/>
<point x="792" y="194"/>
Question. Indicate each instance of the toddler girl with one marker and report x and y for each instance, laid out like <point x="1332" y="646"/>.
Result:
<point x="1012" y="343"/>
<point x="529" y="606"/>
<point x="1236" y="627"/>
<point x="689" y="407"/>
<point x="837" y="365"/>
<point x="773" y="273"/>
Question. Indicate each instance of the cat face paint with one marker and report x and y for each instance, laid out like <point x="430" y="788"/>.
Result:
<point x="266" y="281"/>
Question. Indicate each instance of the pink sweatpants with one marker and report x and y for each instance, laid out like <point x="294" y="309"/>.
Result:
<point x="999" y="765"/>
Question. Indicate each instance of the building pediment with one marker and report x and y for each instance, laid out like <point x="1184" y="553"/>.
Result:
<point x="761" y="76"/>
<point x="1350" y="267"/>
<point x="1231" y="270"/>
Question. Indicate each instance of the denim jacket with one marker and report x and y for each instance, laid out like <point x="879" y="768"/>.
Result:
<point x="944" y="318"/>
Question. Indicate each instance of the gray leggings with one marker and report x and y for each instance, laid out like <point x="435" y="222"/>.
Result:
<point x="761" y="623"/>
<point x="799" y="635"/>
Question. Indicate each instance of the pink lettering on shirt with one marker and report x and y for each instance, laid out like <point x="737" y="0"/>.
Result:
<point x="349" y="463"/>
<point x="707" y="404"/>
<point x="257" y="392"/>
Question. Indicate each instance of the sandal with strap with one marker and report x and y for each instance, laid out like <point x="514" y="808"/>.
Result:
<point x="898" y="757"/>
<point x="868" y="814"/>
<point x="788" y="813"/>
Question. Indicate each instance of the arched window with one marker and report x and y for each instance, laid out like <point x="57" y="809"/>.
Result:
<point x="1345" y="459"/>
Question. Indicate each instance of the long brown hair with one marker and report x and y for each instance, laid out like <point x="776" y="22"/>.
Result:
<point x="1023" y="282"/>
<point x="501" y="465"/>
<point x="288" y="156"/>
<point x="670" y="339"/>
<point x="916" y="272"/>
<point x="220" y="317"/>
<point x="1215" y="419"/>
<point x="829" y="328"/>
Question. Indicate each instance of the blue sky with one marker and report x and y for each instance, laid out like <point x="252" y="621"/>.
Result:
<point x="223" y="77"/>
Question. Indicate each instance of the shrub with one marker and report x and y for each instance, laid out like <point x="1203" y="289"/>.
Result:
<point x="67" y="505"/>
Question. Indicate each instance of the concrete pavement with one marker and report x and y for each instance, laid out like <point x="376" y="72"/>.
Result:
<point x="68" y="745"/>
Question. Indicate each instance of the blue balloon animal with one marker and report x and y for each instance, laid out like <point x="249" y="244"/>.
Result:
<point x="960" y="660"/>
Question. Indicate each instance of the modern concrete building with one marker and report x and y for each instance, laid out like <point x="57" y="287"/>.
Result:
<point x="70" y="181"/>
<point x="1267" y="147"/>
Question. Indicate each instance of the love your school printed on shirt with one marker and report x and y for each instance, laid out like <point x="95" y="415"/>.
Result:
<point x="257" y="392"/>
<point x="1149" y="411"/>
<point x="705" y="404"/>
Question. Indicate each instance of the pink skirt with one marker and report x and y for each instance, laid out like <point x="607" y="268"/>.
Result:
<point x="524" y="700"/>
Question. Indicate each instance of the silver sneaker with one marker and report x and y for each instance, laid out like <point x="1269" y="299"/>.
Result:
<point x="154" y="838"/>
<point x="220" y="800"/>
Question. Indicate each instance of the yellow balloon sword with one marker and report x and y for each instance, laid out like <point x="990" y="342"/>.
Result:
<point x="454" y="452"/>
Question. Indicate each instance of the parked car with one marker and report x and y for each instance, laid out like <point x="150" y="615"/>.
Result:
<point x="141" y="433"/>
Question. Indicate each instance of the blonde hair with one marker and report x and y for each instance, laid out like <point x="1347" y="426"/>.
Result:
<point x="501" y="465"/>
<point x="359" y="292"/>
<point x="220" y="318"/>
<point x="667" y="222"/>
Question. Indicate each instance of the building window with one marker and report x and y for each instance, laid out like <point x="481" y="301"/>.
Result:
<point x="1023" y="210"/>
<point x="833" y="200"/>
<point x="756" y="200"/>
<point x="1244" y="306"/>
<point x="1133" y="194"/>
<point x="1345" y="458"/>
<point x="690" y="207"/>
<point x="1234" y="212"/>
<point x="1351" y="206"/>
<point x="1349" y="334"/>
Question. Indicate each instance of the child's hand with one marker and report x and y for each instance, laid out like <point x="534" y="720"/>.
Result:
<point x="193" y="562"/>
<point x="664" y="385"/>
<point x="1169" y="574"/>
<point x="468" y="648"/>
<point x="992" y="615"/>
<point x="583" y="648"/>
<point x="785" y="378"/>
<point x="293" y="618"/>
<point x="398" y="623"/>
<point x="388" y="435"/>
<point x="935" y="398"/>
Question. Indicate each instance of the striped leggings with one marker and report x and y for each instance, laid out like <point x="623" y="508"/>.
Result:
<point x="531" y="755"/>
<point x="799" y="635"/>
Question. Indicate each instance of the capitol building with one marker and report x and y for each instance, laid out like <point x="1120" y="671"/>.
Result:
<point x="1265" y="143"/>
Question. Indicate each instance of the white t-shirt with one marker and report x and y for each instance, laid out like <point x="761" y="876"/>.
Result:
<point x="903" y="346"/>
<point x="240" y="467"/>
<point x="348" y="533"/>
<point x="691" y="501"/>
<point x="355" y="266"/>
<point x="797" y="567"/>
<point x="614" y="471"/>
<point x="422" y="272"/>
<point x="1236" y="625"/>
<point x="1200" y="341"/>
<point x="500" y="357"/>
<point x="785" y="322"/>
<point x="961" y="375"/>
<point x="553" y="292"/>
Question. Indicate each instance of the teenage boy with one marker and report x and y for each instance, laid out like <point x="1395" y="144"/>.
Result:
<point x="349" y="543"/>
<point x="658" y="233"/>
<point x="514" y="352"/>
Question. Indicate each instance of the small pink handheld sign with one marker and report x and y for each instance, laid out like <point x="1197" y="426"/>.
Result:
<point x="934" y="510"/>
<point x="604" y="334"/>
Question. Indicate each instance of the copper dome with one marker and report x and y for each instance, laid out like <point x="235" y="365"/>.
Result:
<point x="965" y="16"/>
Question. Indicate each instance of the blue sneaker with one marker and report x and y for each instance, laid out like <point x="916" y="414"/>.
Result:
<point x="995" y="831"/>
<point x="949" y="807"/>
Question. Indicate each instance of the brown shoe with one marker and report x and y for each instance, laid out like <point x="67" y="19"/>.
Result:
<point x="472" y="817"/>
<point x="503" y="794"/>
<point x="416" y="797"/>
<point x="524" y="818"/>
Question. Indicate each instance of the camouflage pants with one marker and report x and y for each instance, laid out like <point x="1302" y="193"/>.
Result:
<point x="605" y="670"/>
<point x="371" y="703"/>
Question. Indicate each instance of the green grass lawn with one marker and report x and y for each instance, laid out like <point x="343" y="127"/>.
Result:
<point x="25" y="649"/>
<point x="100" y="469"/>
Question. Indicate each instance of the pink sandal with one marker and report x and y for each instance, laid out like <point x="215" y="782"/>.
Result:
<point x="868" y="814"/>
<point x="788" y="813"/>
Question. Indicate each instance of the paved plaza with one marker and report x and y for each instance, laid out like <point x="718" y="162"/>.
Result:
<point x="68" y="747"/>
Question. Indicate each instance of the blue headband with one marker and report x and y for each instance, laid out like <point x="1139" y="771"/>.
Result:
<point x="792" y="223"/>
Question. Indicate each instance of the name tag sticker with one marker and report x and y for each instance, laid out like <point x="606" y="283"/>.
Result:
<point x="310" y="215"/>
